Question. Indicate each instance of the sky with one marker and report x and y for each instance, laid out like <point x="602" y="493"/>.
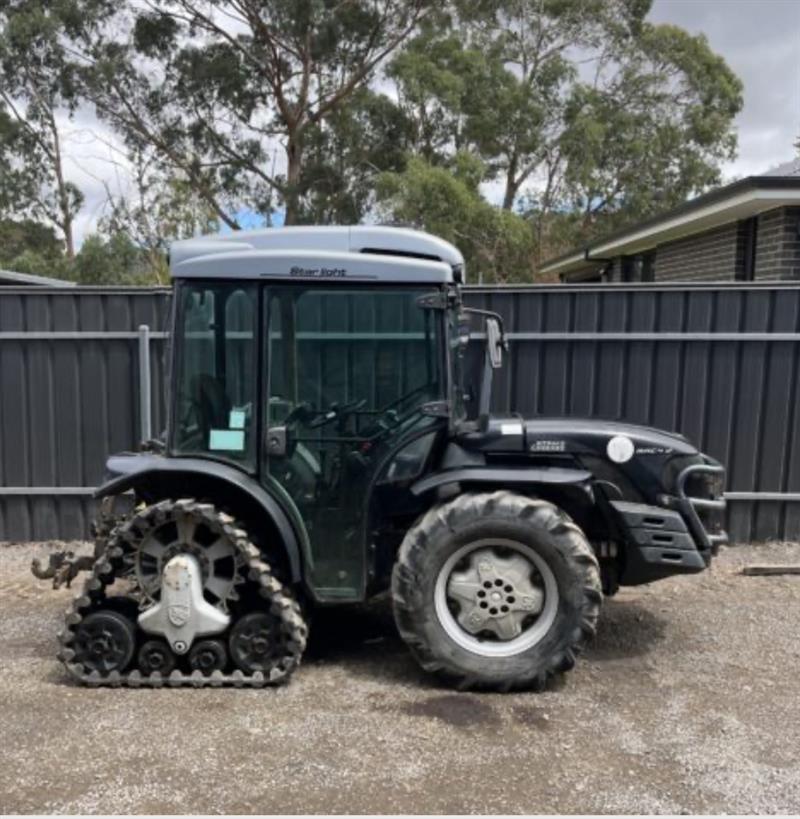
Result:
<point x="760" y="40"/>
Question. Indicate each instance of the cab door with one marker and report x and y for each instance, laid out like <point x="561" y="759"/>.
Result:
<point x="351" y="370"/>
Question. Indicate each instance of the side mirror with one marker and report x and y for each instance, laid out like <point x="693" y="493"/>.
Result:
<point x="494" y="342"/>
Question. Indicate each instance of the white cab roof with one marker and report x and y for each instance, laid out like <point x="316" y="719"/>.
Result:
<point x="348" y="253"/>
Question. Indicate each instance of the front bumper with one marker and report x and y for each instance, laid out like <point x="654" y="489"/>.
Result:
<point x="679" y="536"/>
<point x="659" y="542"/>
<point x="704" y="514"/>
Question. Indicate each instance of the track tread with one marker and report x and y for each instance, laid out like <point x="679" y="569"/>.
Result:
<point x="111" y="562"/>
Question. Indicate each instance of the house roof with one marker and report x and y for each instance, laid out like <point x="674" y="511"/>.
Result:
<point x="739" y="200"/>
<point x="11" y="277"/>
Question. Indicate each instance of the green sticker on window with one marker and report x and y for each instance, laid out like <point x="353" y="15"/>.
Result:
<point x="228" y="440"/>
<point x="236" y="419"/>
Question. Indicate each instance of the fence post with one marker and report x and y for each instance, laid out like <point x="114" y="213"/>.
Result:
<point x="145" y="397"/>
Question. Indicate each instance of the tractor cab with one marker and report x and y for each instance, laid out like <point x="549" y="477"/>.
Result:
<point x="323" y="373"/>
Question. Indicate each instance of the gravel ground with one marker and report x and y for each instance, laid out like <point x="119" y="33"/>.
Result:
<point x="686" y="702"/>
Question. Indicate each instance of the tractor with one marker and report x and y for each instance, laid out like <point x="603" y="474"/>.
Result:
<point x="330" y="439"/>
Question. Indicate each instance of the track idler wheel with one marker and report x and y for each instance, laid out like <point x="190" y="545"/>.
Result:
<point x="255" y="641"/>
<point x="208" y="656"/>
<point x="105" y="641"/>
<point x="156" y="655"/>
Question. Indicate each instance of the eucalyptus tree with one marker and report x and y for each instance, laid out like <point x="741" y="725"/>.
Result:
<point x="232" y="93"/>
<point x="581" y="105"/>
<point x="37" y="99"/>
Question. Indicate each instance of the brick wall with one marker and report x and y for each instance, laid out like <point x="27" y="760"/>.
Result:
<point x="778" y="245"/>
<point x="715" y="255"/>
<point x="719" y="254"/>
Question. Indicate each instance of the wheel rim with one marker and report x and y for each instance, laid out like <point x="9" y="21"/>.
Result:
<point x="104" y="642"/>
<point x="184" y="534"/>
<point x="155" y="655"/>
<point x="496" y="597"/>
<point x="254" y="641"/>
<point x="208" y="656"/>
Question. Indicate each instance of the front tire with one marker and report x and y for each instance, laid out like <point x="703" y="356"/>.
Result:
<point x="496" y="591"/>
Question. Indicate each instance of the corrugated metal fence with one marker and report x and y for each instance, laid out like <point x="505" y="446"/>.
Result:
<point x="69" y="395"/>
<point x="718" y="363"/>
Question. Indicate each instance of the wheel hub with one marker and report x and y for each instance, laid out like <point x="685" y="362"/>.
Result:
<point x="100" y="646"/>
<point x="495" y="593"/>
<point x="182" y="612"/>
<point x="496" y="597"/>
<point x="155" y="655"/>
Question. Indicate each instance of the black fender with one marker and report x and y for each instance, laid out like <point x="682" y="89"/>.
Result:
<point x="506" y="476"/>
<point x="147" y="475"/>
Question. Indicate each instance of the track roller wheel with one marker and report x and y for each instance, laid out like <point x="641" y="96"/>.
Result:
<point x="208" y="656"/>
<point x="156" y="655"/>
<point x="255" y="641"/>
<point x="104" y="642"/>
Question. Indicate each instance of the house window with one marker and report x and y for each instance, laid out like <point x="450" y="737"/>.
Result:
<point x="746" y="267"/>
<point x="649" y="266"/>
<point x="639" y="268"/>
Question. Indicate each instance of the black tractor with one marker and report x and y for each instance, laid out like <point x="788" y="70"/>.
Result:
<point x="329" y="439"/>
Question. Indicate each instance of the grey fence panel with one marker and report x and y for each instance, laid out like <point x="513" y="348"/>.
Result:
<point x="716" y="363"/>
<point x="719" y="364"/>
<point x="68" y="397"/>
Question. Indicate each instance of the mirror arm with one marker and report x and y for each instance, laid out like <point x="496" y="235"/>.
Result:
<point x="485" y="397"/>
<point x="476" y="311"/>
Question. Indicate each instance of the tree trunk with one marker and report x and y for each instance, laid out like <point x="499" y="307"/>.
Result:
<point x="294" y="166"/>
<point x="512" y="184"/>
<point x="66" y="227"/>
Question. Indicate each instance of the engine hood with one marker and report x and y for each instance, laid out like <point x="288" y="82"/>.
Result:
<point x="621" y="441"/>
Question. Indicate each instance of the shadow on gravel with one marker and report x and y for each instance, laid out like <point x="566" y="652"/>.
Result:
<point x="626" y="629"/>
<point x="364" y="639"/>
<point x="348" y="632"/>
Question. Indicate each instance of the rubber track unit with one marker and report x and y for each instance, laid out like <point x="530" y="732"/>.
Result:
<point x="111" y="564"/>
<point x="440" y="522"/>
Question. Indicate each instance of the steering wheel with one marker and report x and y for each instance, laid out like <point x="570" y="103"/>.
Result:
<point x="302" y="412"/>
<point x="335" y="411"/>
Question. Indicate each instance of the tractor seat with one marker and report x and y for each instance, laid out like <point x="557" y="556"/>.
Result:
<point x="211" y="402"/>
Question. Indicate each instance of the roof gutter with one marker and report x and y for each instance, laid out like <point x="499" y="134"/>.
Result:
<point x="605" y="261"/>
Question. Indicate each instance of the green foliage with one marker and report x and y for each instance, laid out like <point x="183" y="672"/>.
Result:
<point x="19" y="236"/>
<point x="640" y="123"/>
<point x="36" y="89"/>
<point x="113" y="259"/>
<point x="655" y="134"/>
<point x="497" y="244"/>
<point x="215" y="88"/>
<point x="583" y="114"/>
<point x="159" y="210"/>
<point x="365" y="137"/>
